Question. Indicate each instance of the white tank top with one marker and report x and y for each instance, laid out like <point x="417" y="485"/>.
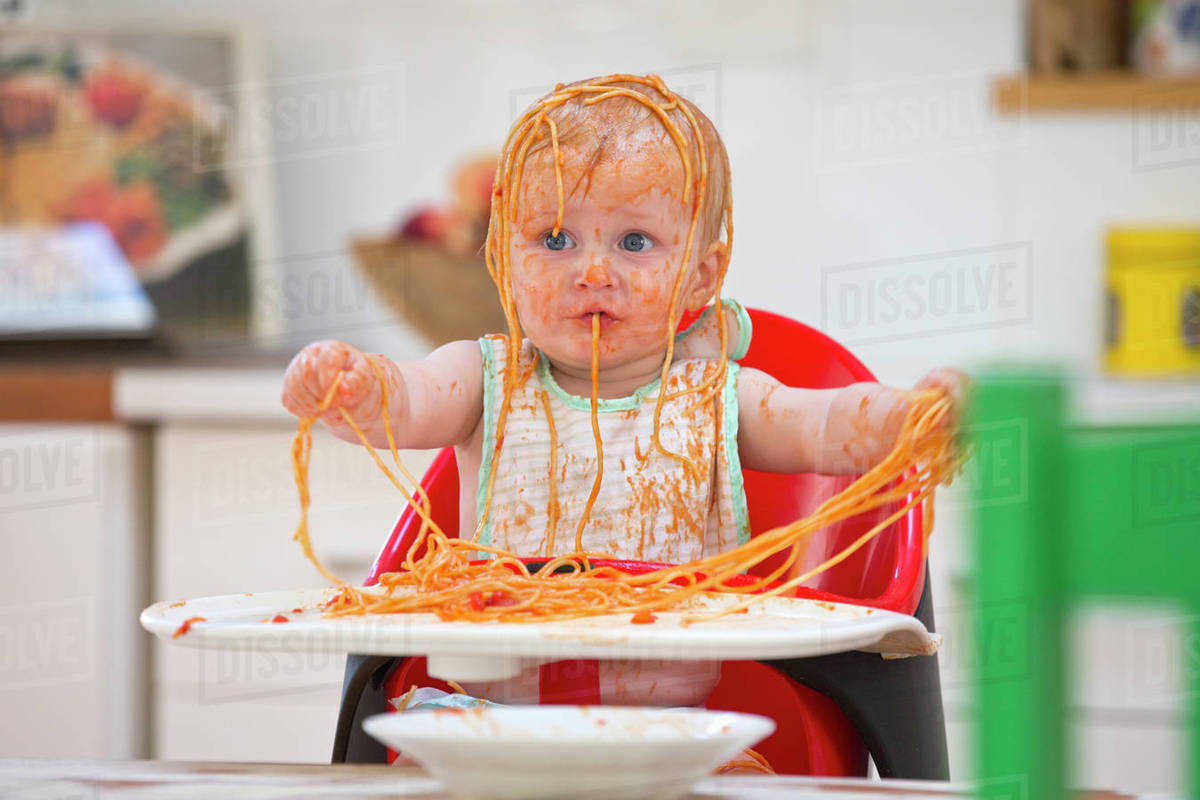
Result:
<point x="650" y="506"/>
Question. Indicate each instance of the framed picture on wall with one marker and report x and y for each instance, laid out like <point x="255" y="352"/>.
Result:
<point x="130" y="129"/>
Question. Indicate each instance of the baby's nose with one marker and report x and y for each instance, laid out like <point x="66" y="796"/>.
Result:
<point x="597" y="274"/>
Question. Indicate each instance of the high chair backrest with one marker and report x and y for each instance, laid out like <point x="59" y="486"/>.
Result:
<point x="888" y="572"/>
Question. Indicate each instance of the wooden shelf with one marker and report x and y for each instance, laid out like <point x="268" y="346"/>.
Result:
<point x="1107" y="91"/>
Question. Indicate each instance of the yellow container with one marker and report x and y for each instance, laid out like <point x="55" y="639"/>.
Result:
<point x="1153" y="301"/>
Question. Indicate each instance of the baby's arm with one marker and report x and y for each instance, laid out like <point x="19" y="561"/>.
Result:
<point x="830" y="431"/>
<point x="434" y="402"/>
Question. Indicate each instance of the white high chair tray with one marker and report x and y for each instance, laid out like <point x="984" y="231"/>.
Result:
<point x="777" y="627"/>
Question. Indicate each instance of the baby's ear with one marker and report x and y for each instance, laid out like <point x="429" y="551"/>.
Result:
<point x="709" y="271"/>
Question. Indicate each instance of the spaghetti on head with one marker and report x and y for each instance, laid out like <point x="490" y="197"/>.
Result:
<point x="625" y="121"/>
<point x="592" y="115"/>
<point x="601" y="117"/>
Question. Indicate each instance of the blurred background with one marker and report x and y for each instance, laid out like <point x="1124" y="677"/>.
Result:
<point x="190" y="192"/>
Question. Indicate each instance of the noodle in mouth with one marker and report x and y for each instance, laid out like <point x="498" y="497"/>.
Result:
<point x="591" y="501"/>
<point x="444" y="578"/>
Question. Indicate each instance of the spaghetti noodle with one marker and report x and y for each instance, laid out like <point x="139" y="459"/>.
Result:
<point x="444" y="580"/>
<point x="751" y="761"/>
<point x="552" y="509"/>
<point x="301" y="454"/>
<point x="591" y="501"/>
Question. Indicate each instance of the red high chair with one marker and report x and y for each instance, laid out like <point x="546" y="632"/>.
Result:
<point x="829" y="710"/>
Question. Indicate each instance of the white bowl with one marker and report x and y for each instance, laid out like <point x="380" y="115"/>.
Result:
<point x="569" y="751"/>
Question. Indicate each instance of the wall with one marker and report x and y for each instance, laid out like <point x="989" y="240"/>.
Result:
<point x="859" y="134"/>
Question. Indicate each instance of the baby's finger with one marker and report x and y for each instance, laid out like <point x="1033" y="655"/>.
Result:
<point x="298" y="396"/>
<point x="312" y="375"/>
<point x="956" y="384"/>
<point x="358" y="396"/>
<point x="939" y="378"/>
<point x="294" y="406"/>
<point x="356" y="385"/>
<point x="332" y="360"/>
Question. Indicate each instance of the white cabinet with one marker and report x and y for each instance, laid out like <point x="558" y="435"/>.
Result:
<point x="225" y="511"/>
<point x="74" y="533"/>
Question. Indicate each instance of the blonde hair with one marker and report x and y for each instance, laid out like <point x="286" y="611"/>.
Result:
<point x="597" y="127"/>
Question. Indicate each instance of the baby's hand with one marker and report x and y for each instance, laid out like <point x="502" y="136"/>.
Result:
<point x="844" y="431"/>
<point x="311" y="374"/>
<point x="865" y="419"/>
<point x="956" y="384"/>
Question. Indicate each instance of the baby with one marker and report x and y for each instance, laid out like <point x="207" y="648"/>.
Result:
<point x="603" y="279"/>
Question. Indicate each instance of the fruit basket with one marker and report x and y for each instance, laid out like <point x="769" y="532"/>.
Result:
<point x="430" y="270"/>
<point x="442" y="294"/>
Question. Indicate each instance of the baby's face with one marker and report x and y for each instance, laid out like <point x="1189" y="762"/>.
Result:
<point x="624" y="230"/>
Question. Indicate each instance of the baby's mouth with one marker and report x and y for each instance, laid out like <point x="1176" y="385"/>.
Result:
<point x="607" y="320"/>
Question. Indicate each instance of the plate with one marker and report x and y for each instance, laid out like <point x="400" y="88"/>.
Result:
<point x="776" y="627"/>
<point x="569" y="751"/>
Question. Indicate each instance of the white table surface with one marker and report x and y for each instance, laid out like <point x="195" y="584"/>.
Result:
<point x="101" y="780"/>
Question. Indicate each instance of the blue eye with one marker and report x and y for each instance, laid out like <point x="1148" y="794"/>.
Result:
<point x="636" y="242"/>
<point x="560" y="242"/>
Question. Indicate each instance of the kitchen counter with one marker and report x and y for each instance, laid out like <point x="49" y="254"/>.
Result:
<point x="243" y="386"/>
<point x="130" y="382"/>
<point x="234" y="394"/>
<point x="43" y="392"/>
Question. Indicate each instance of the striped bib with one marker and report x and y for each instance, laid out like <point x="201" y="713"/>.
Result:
<point x="650" y="506"/>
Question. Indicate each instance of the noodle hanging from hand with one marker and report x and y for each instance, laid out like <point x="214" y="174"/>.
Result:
<point x="444" y="581"/>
